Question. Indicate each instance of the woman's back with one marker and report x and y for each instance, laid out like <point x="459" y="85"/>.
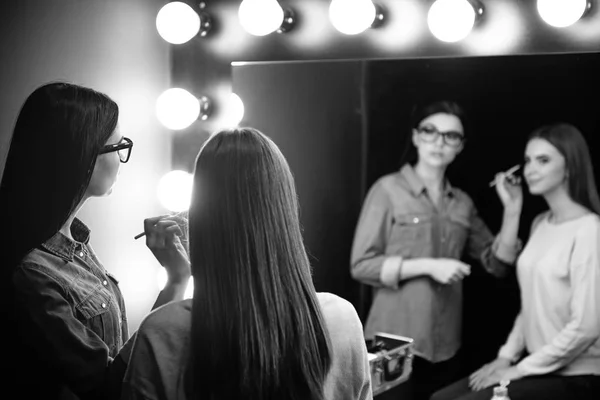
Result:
<point x="159" y="359"/>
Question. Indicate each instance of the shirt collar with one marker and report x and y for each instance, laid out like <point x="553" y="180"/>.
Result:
<point x="417" y="186"/>
<point x="64" y="247"/>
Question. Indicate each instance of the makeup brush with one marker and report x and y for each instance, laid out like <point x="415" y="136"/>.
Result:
<point x="183" y="214"/>
<point x="508" y="173"/>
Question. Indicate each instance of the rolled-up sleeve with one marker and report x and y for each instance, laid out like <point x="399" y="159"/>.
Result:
<point x="369" y="264"/>
<point x="60" y="340"/>
<point x="496" y="257"/>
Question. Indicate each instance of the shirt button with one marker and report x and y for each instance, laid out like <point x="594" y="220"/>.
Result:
<point x="103" y="305"/>
<point x="104" y="283"/>
<point x="81" y="254"/>
<point x="416" y="220"/>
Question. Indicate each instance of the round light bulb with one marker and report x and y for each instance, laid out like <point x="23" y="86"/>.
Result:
<point x="352" y="16"/>
<point x="451" y="20"/>
<point x="236" y="110"/>
<point x="177" y="108"/>
<point x="561" y="13"/>
<point x="161" y="281"/>
<point x="175" y="190"/>
<point x="260" y="17"/>
<point x="177" y="22"/>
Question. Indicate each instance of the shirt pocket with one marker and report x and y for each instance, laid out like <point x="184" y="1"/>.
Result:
<point x="458" y="230"/>
<point x="94" y="311"/>
<point x="409" y="233"/>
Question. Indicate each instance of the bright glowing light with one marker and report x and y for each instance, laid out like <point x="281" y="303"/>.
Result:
<point x="161" y="281"/>
<point x="352" y="16"/>
<point x="236" y="110"/>
<point x="177" y="22"/>
<point x="260" y="17"/>
<point x="451" y="20"/>
<point x="561" y="13"/>
<point x="175" y="190"/>
<point x="177" y="108"/>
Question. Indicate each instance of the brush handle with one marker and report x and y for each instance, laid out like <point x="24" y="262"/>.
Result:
<point x="508" y="173"/>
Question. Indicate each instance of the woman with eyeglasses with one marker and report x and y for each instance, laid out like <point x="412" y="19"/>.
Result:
<point x="412" y="232"/>
<point x="67" y="316"/>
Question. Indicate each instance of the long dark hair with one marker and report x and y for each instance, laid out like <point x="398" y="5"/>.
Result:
<point x="571" y="144"/>
<point x="58" y="134"/>
<point x="419" y="112"/>
<point x="257" y="328"/>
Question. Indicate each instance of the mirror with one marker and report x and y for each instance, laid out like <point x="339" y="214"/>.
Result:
<point x="344" y="124"/>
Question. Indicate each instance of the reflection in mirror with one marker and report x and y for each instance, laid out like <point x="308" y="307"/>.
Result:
<point x="344" y="124"/>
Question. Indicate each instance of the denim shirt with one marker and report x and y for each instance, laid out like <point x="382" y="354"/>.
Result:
<point x="71" y="315"/>
<point x="399" y="221"/>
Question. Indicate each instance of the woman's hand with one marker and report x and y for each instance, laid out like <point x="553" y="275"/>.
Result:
<point x="510" y="192"/>
<point x="492" y="373"/>
<point x="448" y="270"/>
<point x="163" y="238"/>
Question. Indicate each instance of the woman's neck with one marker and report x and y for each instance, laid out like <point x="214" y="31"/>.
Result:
<point x="562" y="207"/>
<point x="432" y="177"/>
<point x="66" y="228"/>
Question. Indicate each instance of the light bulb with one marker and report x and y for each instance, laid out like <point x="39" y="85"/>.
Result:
<point x="175" y="190"/>
<point x="451" y="20"/>
<point x="260" y="17"/>
<point x="177" y="108"/>
<point x="561" y="13"/>
<point x="236" y="110"/>
<point x="177" y="22"/>
<point x="352" y="16"/>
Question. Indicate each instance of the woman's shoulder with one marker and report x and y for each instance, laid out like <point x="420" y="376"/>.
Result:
<point x="333" y="303"/>
<point x="176" y="315"/>
<point x="340" y="315"/>
<point x="589" y="226"/>
<point x="37" y="269"/>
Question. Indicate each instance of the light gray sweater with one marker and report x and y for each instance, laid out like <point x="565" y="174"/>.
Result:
<point x="160" y="351"/>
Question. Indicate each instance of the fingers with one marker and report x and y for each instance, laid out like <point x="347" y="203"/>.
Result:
<point x="150" y="222"/>
<point x="477" y="375"/>
<point x="462" y="270"/>
<point x="162" y="233"/>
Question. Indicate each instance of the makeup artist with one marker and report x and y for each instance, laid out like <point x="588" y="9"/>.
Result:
<point x="63" y="314"/>
<point x="412" y="232"/>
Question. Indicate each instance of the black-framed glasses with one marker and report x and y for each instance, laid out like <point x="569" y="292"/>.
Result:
<point x="123" y="148"/>
<point x="431" y="134"/>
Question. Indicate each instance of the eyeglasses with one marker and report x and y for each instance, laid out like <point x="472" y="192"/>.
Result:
<point x="431" y="134"/>
<point x="123" y="148"/>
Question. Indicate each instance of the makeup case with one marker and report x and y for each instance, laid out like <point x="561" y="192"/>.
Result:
<point x="390" y="358"/>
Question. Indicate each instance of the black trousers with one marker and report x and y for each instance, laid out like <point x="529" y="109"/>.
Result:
<point x="427" y="377"/>
<point x="543" y="387"/>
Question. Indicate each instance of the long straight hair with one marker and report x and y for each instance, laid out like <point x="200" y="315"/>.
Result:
<point x="257" y="328"/>
<point x="59" y="131"/>
<point x="571" y="144"/>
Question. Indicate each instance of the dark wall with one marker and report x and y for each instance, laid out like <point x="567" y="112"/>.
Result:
<point x="313" y="111"/>
<point x="505" y="99"/>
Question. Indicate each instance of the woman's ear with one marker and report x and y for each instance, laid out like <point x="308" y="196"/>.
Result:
<point x="415" y="138"/>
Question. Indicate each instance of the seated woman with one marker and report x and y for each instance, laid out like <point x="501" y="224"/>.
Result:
<point x="256" y="328"/>
<point x="553" y="350"/>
